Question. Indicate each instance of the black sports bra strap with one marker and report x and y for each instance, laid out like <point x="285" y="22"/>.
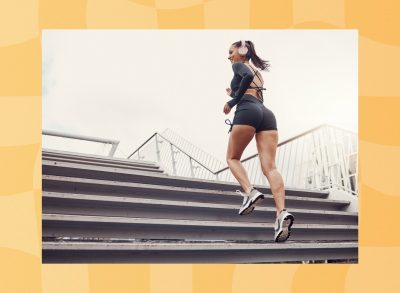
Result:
<point x="259" y="88"/>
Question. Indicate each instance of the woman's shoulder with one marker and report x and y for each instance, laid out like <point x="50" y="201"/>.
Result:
<point x="240" y="67"/>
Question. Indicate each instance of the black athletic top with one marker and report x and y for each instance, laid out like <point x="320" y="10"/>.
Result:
<point x="241" y="81"/>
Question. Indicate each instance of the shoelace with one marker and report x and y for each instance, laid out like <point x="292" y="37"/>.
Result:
<point x="238" y="191"/>
<point x="245" y="197"/>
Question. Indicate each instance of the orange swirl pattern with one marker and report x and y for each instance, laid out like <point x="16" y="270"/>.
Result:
<point x="21" y="22"/>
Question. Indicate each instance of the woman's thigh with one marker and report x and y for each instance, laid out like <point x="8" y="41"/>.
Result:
<point x="240" y="137"/>
<point x="267" y="142"/>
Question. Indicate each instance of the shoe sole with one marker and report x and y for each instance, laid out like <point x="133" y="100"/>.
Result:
<point x="286" y="229"/>
<point x="246" y="211"/>
<point x="251" y="207"/>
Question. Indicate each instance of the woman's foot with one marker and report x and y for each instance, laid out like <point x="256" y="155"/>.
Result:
<point x="283" y="224"/>
<point x="250" y="201"/>
<point x="244" y="209"/>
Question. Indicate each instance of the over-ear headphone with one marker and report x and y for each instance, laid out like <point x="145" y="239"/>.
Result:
<point x="243" y="49"/>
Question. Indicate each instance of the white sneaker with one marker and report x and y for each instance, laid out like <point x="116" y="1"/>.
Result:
<point x="250" y="201"/>
<point x="283" y="224"/>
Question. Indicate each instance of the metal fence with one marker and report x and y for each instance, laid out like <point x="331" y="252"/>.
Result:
<point x="194" y="151"/>
<point x="175" y="159"/>
<point x="320" y="158"/>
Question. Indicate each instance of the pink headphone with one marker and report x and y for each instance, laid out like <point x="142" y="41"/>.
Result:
<point x="243" y="49"/>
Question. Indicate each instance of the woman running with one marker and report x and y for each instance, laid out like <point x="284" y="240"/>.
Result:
<point x="252" y="117"/>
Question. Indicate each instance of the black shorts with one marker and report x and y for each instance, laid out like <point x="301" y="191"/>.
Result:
<point x="251" y="111"/>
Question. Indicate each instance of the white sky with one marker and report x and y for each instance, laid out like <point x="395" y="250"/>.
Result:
<point x="128" y="84"/>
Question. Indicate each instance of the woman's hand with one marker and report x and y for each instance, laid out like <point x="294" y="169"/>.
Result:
<point x="227" y="109"/>
<point x="228" y="91"/>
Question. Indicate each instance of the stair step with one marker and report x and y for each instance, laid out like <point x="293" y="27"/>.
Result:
<point x="206" y="252"/>
<point x="90" y="204"/>
<point x="58" y="225"/>
<point x="135" y="213"/>
<point x="120" y="174"/>
<point x="138" y="190"/>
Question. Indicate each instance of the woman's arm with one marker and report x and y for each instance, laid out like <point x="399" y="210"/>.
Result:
<point x="247" y="77"/>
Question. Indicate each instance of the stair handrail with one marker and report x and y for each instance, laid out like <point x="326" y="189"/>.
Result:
<point x="191" y="157"/>
<point x="114" y="143"/>
<point x="209" y="160"/>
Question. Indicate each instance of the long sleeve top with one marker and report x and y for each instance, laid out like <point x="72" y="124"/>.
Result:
<point x="241" y="81"/>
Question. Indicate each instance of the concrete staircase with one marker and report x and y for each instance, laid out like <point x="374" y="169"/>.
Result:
<point x="108" y="210"/>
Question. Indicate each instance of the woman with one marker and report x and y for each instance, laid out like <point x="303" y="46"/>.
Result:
<point x="252" y="117"/>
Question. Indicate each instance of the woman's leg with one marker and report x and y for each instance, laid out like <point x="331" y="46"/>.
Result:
<point x="240" y="137"/>
<point x="267" y="142"/>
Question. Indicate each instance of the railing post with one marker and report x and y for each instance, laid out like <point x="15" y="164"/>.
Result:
<point x="173" y="159"/>
<point x="157" y="149"/>
<point x="139" y="156"/>
<point x="113" y="149"/>
<point x="191" y="167"/>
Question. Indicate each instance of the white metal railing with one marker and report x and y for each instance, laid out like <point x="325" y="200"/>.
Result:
<point x="194" y="151"/>
<point x="113" y="143"/>
<point x="172" y="158"/>
<point x="320" y="158"/>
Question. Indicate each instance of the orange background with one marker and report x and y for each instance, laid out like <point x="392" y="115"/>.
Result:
<point x="21" y="22"/>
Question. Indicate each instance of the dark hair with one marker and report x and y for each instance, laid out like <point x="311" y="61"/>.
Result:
<point x="252" y="55"/>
